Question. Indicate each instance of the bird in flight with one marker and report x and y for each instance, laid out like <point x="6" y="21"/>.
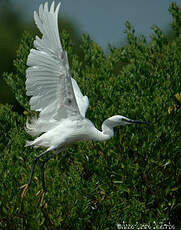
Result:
<point x="57" y="96"/>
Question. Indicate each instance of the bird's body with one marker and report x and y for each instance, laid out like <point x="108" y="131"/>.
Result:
<point x="56" y="95"/>
<point x="67" y="132"/>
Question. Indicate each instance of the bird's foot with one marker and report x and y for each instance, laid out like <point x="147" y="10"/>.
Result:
<point x="42" y="194"/>
<point x="24" y="188"/>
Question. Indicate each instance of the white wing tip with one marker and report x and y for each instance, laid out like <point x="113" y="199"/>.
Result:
<point x="52" y="7"/>
<point x="58" y="7"/>
<point x="46" y="7"/>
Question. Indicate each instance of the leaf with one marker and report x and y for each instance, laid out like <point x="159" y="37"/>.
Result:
<point x="178" y="97"/>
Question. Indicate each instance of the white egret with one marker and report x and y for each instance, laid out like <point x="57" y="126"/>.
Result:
<point x="56" y="95"/>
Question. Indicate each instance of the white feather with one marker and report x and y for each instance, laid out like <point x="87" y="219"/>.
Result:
<point x="53" y="92"/>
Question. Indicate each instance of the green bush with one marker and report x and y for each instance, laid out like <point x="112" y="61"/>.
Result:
<point x="135" y="178"/>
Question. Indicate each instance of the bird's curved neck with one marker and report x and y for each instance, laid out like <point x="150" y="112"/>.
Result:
<point x="107" y="131"/>
<point x="107" y="128"/>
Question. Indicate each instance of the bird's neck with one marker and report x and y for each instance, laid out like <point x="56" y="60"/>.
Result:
<point x="107" y="131"/>
<point x="107" y="128"/>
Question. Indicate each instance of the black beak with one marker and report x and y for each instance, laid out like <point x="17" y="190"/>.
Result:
<point x="138" y="122"/>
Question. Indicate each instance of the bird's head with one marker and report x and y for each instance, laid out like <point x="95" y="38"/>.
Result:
<point x="119" y="120"/>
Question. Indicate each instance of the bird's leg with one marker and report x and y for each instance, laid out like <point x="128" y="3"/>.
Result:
<point x="43" y="170"/>
<point x="34" y="164"/>
<point x="25" y="187"/>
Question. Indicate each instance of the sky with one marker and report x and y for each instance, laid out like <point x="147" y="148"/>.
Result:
<point x="104" y="20"/>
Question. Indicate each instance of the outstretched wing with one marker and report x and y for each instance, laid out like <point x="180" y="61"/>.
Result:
<point x="82" y="101"/>
<point x="48" y="81"/>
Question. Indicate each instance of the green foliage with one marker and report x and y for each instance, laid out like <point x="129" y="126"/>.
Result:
<point x="175" y="10"/>
<point x="135" y="177"/>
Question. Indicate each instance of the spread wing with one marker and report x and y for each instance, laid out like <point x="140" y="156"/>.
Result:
<point x="53" y="92"/>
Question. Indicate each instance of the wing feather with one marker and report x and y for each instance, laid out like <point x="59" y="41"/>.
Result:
<point x="53" y="92"/>
<point x="82" y="101"/>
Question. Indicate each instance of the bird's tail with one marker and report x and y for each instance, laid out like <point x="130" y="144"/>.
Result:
<point x="33" y="127"/>
<point x="37" y="126"/>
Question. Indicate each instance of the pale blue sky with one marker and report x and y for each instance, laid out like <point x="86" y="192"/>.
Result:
<point x="104" y="19"/>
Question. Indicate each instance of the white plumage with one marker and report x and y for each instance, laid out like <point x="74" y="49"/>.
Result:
<point x="56" y="95"/>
